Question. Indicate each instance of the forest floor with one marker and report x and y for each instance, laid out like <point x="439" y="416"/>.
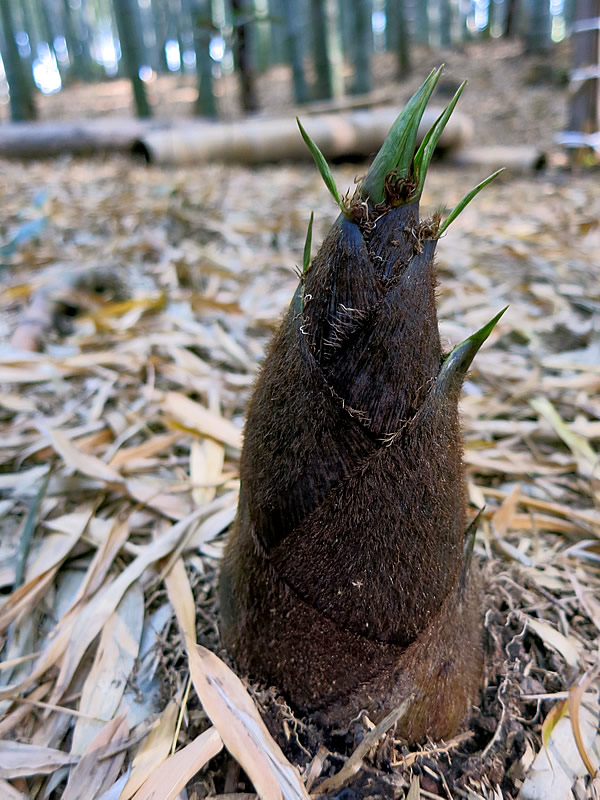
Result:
<point x="120" y="453"/>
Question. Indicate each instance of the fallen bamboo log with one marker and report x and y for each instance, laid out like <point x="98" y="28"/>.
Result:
<point x="254" y="141"/>
<point x="86" y="137"/>
<point x="356" y="133"/>
<point x="514" y="158"/>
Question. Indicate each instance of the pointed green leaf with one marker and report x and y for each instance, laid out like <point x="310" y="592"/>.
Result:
<point x="321" y="163"/>
<point x="459" y="360"/>
<point x="307" y="244"/>
<point x="397" y="151"/>
<point x="468" y="547"/>
<point x="297" y="301"/>
<point x="465" y="202"/>
<point x="425" y="152"/>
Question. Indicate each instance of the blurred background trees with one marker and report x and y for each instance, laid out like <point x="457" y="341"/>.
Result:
<point x="327" y="45"/>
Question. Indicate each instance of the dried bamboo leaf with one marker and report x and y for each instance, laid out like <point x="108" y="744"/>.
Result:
<point x="149" y="448"/>
<point x="26" y="597"/>
<point x="18" y="760"/>
<point x="90" y="620"/>
<point x="554" y="771"/>
<point x="206" y="466"/>
<point x="554" y="639"/>
<point x="556" y="713"/>
<point x="198" y="418"/>
<point x="8" y="792"/>
<point x="414" y="792"/>
<point x="576" y="694"/>
<point x="167" y="781"/>
<point x="182" y="599"/>
<point x="103" y="559"/>
<point x="230" y="709"/>
<point x="578" y="445"/>
<point x="152" y="493"/>
<point x="211" y="527"/>
<point x="82" y="462"/>
<point x="114" y="661"/>
<point x="28" y="530"/>
<point x="502" y="518"/>
<point x="11" y="721"/>
<point x="76" y="632"/>
<point x="96" y="771"/>
<point x="154" y="750"/>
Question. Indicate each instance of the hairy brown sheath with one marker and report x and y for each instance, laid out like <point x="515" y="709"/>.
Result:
<point x="346" y="582"/>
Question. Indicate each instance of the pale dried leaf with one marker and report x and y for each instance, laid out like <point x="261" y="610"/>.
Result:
<point x="8" y="792"/>
<point x="80" y="461"/>
<point x="95" y="772"/>
<point x="149" y="448"/>
<point x="232" y="712"/>
<point x="556" y="640"/>
<point x="554" y="771"/>
<point x="75" y="633"/>
<point x="206" y="466"/>
<point x="18" y="760"/>
<point x="104" y="557"/>
<point x="414" y="792"/>
<point x="502" y="518"/>
<point x="113" y="663"/>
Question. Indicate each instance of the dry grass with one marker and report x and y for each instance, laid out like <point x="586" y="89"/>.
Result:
<point x="120" y="446"/>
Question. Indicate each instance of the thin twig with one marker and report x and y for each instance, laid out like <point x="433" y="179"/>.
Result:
<point x="354" y="762"/>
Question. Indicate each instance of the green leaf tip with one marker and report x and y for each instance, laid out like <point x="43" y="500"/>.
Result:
<point x="465" y="201"/>
<point x="458" y="361"/>
<point x="321" y="163"/>
<point x="396" y="153"/>
<point x="425" y="152"/>
<point x="307" y="244"/>
<point x="468" y="548"/>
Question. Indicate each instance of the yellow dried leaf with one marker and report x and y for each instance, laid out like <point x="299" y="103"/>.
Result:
<point x="556" y="713"/>
<point x="123" y="307"/>
<point x="577" y="444"/>
<point x="152" y="447"/>
<point x="196" y="417"/>
<point x="154" y="750"/>
<point x="575" y="696"/>
<point x="502" y="518"/>
<point x="169" y="779"/>
<point x="182" y="599"/>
